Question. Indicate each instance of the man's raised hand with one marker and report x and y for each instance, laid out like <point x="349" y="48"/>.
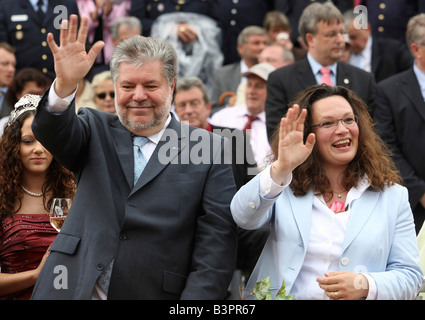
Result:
<point x="72" y="62"/>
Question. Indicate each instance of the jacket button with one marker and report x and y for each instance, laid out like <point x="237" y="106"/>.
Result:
<point x="100" y="267"/>
<point x="123" y="236"/>
<point x="344" y="261"/>
<point x="252" y="205"/>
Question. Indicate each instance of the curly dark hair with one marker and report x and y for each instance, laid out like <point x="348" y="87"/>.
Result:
<point x="59" y="180"/>
<point x="373" y="157"/>
<point x="21" y="78"/>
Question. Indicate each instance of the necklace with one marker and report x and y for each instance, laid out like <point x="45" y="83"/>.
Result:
<point x="339" y="194"/>
<point x="32" y="193"/>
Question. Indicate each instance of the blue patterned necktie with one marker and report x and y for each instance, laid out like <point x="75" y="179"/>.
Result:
<point x="139" y="158"/>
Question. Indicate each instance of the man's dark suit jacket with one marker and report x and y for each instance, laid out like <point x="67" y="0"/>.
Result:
<point x="250" y="242"/>
<point x="285" y="83"/>
<point x="242" y="156"/>
<point x="21" y="27"/>
<point x="171" y="235"/>
<point x="6" y="108"/>
<point x="227" y="78"/>
<point x="389" y="57"/>
<point x="400" y="120"/>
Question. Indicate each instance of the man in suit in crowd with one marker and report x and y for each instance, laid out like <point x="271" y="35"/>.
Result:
<point x="7" y="72"/>
<point x="251" y="42"/>
<point x="383" y="57"/>
<point x="294" y="8"/>
<point x="25" y="23"/>
<point x="121" y="29"/>
<point x="274" y="54"/>
<point x="400" y="118"/>
<point x="250" y="116"/>
<point x="322" y="28"/>
<point x="192" y="104"/>
<point x="166" y="233"/>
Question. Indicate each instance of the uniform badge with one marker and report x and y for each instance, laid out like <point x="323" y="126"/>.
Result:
<point x="19" y="35"/>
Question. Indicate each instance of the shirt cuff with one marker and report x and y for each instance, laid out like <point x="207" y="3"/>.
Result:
<point x="56" y="104"/>
<point x="373" y="290"/>
<point x="270" y="189"/>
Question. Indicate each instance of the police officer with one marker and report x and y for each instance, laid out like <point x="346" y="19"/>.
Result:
<point x="25" y="23"/>
<point x="389" y="18"/>
<point x="234" y="16"/>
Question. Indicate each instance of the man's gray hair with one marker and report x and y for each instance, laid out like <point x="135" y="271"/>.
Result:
<point x="132" y="23"/>
<point x="249" y="31"/>
<point x="316" y="12"/>
<point x="415" y="32"/>
<point x="138" y="50"/>
<point x="187" y="83"/>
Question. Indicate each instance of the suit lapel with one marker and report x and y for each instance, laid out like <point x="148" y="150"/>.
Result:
<point x="410" y="87"/>
<point x="360" y="213"/>
<point x="343" y="76"/>
<point x="123" y="142"/>
<point x="235" y="76"/>
<point x="302" y="210"/>
<point x="306" y="78"/>
<point x="376" y="57"/>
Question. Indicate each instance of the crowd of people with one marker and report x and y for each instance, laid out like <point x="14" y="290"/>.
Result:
<point x="196" y="138"/>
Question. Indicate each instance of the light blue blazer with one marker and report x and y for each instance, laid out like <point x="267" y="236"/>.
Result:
<point x="380" y="237"/>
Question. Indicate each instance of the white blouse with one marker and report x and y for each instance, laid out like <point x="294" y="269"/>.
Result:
<point x="326" y="237"/>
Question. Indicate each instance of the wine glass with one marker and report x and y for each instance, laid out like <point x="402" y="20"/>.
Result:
<point x="59" y="211"/>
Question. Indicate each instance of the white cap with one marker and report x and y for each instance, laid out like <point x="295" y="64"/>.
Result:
<point x="261" y="70"/>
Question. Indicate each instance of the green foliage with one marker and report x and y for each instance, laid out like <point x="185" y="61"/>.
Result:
<point x="262" y="291"/>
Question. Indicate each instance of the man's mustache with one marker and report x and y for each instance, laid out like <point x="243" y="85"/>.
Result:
<point x="135" y="104"/>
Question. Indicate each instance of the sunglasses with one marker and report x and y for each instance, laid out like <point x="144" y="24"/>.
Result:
<point x="102" y="95"/>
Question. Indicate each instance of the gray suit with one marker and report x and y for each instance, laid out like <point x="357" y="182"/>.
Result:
<point x="227" y="78"/>
<point x="171" y="236"/>
<point x="6" y="108"/>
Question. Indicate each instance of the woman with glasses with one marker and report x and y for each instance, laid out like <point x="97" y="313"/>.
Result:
<point x="341" y="224"/>
<point x="104" y="95"/>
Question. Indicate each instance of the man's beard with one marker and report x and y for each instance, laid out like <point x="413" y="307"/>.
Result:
<point x="160" y="113"/>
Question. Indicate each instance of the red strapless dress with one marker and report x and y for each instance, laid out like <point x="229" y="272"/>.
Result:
<point x="23" y="242"/>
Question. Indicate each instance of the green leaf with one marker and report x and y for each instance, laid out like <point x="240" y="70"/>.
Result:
<point x="281" y="295"/>
<point x="262" y="291"/>
<point x="262" y="288"/>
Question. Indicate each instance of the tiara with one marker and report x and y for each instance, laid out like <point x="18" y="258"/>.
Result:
<point x="28" y="102"/>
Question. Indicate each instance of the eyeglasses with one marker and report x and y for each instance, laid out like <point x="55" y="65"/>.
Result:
<point x="102" y="95"/>
<point x="347" y="122"/>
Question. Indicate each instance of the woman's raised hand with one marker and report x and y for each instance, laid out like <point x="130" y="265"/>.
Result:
<point x="72" y="62"/>
<point x="291" y="150"/>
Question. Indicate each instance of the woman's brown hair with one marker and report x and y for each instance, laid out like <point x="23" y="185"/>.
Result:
<point x="59" y="180"/>
<point x="373" y="157"/>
